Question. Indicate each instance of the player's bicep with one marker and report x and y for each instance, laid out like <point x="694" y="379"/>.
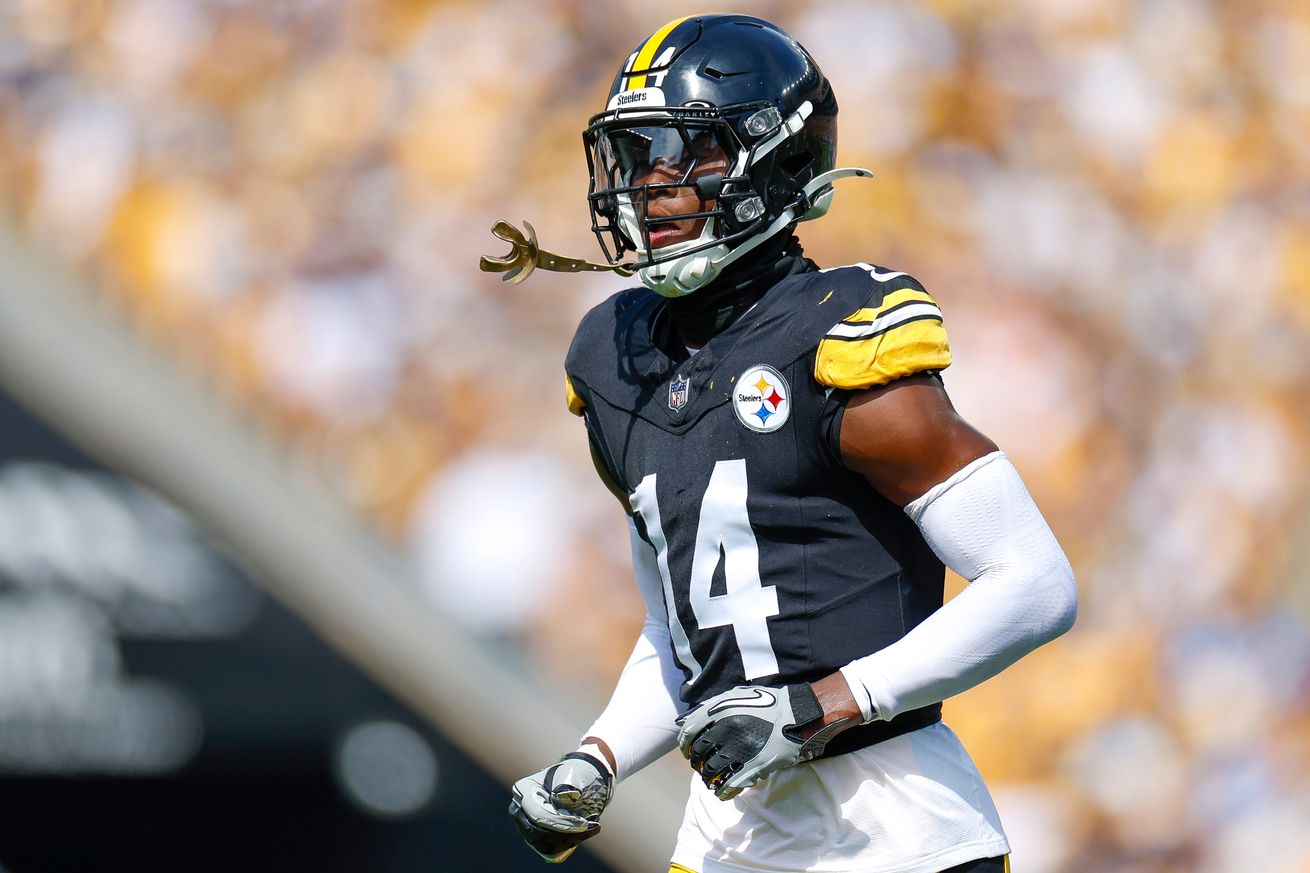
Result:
<point x="906" y="437"/>
<point x="898" y="428"/>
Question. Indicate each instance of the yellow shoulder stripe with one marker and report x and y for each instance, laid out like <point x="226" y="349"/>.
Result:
<point x="899" y="337"/>
<point x="576" y="405"/>
<point x="678" y="868"/>
<point x="647" y="53"/>
<point x="896" y="298"/>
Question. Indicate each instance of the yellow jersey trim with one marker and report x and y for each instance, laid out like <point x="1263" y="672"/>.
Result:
<point x="896" y="298"/>
<point x="576" y="404"/>
<point x="647" y="53"/>
<point x="678" y="868"/>
<point x="872" y="346"/>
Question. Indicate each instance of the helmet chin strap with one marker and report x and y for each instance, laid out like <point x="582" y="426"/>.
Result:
<point x="680" y="276"/>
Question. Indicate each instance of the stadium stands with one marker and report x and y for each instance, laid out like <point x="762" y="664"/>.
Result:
<point x="1111" y="201"/>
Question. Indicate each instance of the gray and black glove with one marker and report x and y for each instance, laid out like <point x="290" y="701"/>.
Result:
<point x="736" y="738"/>
<point x="560" y="806"/>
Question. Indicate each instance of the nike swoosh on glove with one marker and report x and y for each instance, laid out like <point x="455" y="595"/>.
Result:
<point x="557" y="808"/>
<point x="737" y="738"/>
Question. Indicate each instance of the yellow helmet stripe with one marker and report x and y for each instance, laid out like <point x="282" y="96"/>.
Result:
<point x="647" y="53"/>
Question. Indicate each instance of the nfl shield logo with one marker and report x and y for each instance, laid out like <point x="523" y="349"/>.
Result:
<point x="678" y="392"/>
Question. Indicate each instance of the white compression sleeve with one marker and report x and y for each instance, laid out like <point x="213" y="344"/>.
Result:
<point x="982" y="523"/>
<point x="638" y="724"/>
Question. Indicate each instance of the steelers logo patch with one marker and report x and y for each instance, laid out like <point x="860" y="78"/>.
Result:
<point x="762" y="399"/>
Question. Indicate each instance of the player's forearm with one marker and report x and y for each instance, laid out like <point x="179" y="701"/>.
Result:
<point x="638" y="726"/>
<point x="604" y="748"/>
<point x="984" y="525"/>
<point x="837" y="701"/>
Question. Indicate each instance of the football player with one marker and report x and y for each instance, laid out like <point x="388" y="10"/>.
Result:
<point x="795" y="478"/>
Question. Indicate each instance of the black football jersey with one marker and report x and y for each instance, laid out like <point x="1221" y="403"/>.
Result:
<point x="779" y="565"/>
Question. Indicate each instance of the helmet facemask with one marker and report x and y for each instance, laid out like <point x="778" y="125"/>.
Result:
<point x="657" y="176"/>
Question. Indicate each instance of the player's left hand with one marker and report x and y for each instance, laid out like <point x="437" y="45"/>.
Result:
<point x="736" y="738"/>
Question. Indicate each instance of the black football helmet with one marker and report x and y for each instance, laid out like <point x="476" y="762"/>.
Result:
<point x="727" y="108"/>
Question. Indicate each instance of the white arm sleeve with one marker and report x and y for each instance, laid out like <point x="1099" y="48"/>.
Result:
<point x="638" y="724"/>
<point x="982" y="523"/>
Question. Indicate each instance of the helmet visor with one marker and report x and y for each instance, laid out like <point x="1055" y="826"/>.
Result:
<point x="671" y="154"/>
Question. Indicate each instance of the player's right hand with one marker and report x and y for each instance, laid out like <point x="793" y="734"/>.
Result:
<point x="560" y="806"/>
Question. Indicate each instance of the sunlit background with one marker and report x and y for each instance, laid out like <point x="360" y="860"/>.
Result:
<point x="1109" y="199"/>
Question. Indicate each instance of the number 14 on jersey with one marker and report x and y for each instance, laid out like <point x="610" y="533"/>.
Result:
<point x="724" y="531"/>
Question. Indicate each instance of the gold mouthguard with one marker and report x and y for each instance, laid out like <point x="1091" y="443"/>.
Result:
<point x="526" y="256"/>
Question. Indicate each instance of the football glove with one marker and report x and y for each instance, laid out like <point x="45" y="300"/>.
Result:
<point x="557" y="808"/>
<point x="736" y="738"/>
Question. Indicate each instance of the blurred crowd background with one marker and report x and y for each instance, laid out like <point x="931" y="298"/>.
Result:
<point x="1110" y="200"/>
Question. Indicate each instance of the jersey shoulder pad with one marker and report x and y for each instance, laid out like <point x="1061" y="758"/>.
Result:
<point x="611" y="347"/>
<point x="896" y="332"/>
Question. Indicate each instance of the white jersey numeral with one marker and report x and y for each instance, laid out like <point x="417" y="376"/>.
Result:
<point x="723" y="535"/>
<point x="643" y="500"/>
